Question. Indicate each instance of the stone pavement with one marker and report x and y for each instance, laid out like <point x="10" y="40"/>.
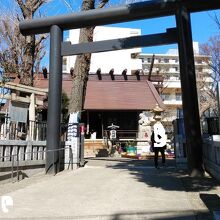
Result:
<point x="114" y="189"/>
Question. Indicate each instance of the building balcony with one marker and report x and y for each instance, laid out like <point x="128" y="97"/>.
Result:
<point x="171" y="84"/>
<point x="173" y="102"/>
<point x="160" y="63"/>
<point x="203" y="64"/>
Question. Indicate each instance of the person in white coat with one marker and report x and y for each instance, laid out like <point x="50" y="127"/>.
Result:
<point x="158" y="141"/>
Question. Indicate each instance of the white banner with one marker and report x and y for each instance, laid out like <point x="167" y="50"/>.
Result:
<point x="72" y="140"/>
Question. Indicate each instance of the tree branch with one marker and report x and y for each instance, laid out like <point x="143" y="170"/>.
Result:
<point x="23" y="8"/>
<point x="103" y="3"/>
<point x="37" y="4"/>
<point x="68" y="5"/>
<point x="39" y="41"/>
<point x="217" y="21"/>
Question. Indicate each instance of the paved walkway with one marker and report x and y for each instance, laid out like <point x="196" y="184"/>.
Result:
<point x="114" y="189"/>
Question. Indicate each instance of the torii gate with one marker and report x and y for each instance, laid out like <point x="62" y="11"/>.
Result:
<point x="181" y="34"/>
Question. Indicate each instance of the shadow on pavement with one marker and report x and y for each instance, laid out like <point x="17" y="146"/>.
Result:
<point x="164" y="178"/>
<point x="156" y="216"/>
<point x="128" y="161"/>
<point x="171" y="215"/>
<point x="212" y="201"/>
<point x="172" y="179"/>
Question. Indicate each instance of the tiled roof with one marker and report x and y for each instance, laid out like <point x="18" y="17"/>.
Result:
<point x="118" y="94"/>
<point x="121" y="95"/>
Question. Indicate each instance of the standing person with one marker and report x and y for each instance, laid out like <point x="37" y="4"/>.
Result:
<point x="158" y="141"/>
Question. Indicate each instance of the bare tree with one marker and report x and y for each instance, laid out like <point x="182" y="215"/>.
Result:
<point x="217" y="21"/>
<point x="82" y="64"/>
<point x="207" y="91"/>
<point x="20" y="54"/>
<point x="10" y="51"/>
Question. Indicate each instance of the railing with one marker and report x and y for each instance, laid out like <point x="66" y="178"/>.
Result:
<point x="16" y="158"/>
<point x="34" y="131"/>
<point x="23" y="149"/>
<point x="37" y="130"/>
<point x="23" y="131"/>
<point x="28" y="147"/>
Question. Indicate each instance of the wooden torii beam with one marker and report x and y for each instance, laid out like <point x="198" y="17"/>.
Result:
<point x="23" y="88"/>
<point x="30" y="98"/>
<point x="14" y="97"/>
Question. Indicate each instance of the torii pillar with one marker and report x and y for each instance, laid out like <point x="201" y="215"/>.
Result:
<point x="54" y="100"/>
<point x="189" y="93"/>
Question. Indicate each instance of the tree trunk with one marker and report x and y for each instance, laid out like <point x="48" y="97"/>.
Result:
<point x="28" y="8"/>
<point x="81" y="72"/>
<point x="26" y="77"/>
<point x="82" y="66"/>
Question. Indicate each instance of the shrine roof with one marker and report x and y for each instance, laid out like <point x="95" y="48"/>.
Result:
<point x="117" y="94"/>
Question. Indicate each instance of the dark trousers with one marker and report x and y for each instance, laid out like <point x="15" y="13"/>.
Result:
<point x="156" y="151"/>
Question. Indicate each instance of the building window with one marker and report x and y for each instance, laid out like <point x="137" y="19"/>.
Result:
<point x="64" y="64"/>
<point x="200" y="69"/>
<point x="165" y="96"/>
<point x="149" y="60"/>
<point x="166" y="60"/>
<point x="178" y="97"/>
<point x="199" y="61"/>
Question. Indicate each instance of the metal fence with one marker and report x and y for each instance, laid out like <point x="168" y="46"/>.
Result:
<point x="26" y="150"/>
<point x="212" y="125"/>
<point x="15" y="160"/>
<point x="22" y="131"/>
<point x="35" y="131"/>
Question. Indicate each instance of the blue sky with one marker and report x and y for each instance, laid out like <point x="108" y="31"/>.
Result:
<point x="203" y="25"/>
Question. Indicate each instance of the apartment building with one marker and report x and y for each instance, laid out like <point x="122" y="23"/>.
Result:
<point x="118" y="60"/>
<point x="168" y="66"/>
